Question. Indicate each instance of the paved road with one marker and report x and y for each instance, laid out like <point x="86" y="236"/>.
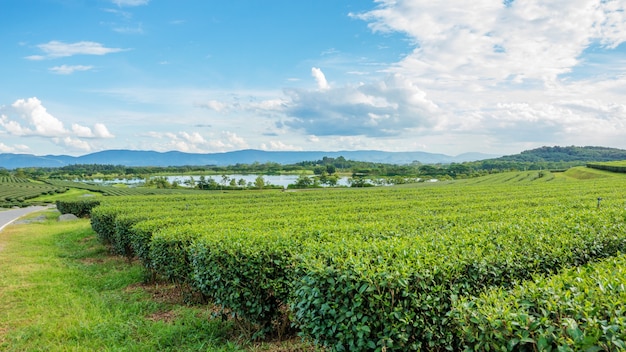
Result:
<point x="8" y="216"/>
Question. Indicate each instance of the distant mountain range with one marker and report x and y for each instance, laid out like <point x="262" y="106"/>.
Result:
<point x="249" y="156"/>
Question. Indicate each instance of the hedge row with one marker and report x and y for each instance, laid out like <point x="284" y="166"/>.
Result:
<point x="397" y="294"/>
<point x="615" y="166"/>
<point x="375" y="269"/>
<point x="580" y="309"/>
<point x="80" y="208"/>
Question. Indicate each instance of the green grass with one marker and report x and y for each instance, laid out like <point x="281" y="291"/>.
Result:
<point x="585" y="173"/>
<point x="61" y="291"/>
<point x="71" y="194"/>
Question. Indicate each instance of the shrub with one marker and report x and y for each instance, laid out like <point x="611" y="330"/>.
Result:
<point x="580" y="309"/>
<point x="80" y="208"/>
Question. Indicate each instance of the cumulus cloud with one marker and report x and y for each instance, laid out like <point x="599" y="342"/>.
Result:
<point x="17" y="148"/>
<point x="214" y="105"/>
<point x="505" y="70"/>
<point x="68" y="70"/>
<point x="490" y="40"/>
<point x="35" y="114"/>
<point x="101" y="131"/>
<point x="82" y="131"/>
<point x="34" y="120"/>
<point x="381" y="108"/>
<point x="57" y="49"/>
<point x="73" y="144"/>
<point x="320" y="78"/>
<point x="194" y="142"/>
<point x="237" y="104"/>
<point x="5" y="148"/>
<point x="278" y="145"/>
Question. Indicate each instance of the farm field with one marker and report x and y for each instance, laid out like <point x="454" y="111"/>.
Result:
<point x="613" y="166"/>
<point x="118" y="191"/>
<point x="15" y="191"/>
<point x="377" y="268"/>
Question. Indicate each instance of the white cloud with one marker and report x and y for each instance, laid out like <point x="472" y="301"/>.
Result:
<point x="16" y="148"/>
<point x="278" y="145"/>
<point x="317" y="73"/>
<point x="138" y="29"/>
<point x="481" y="71"/>
<point x="214" y="105"/>
<point x="194" y="142"/>
<point x="101" y="131"/>
<point x="194" y="137"/>
<point x="234" y="140"/>
<point x="68" y="70"/>
<point x="36" y="115"/>
<point x="5" y="148"/>
<point x="237" y="104"/>
<point x="81" y="131"/>
<point x="380" y="108"/>
<point x="130" y="2"/>
<point x="268" y="105"/>
<point x="485" y="40"/>
<point x="73" y="144"/>
<point x="57" y="49"/>
<point x="40" y="123"/>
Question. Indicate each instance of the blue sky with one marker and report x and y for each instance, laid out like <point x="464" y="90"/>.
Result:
<point x="79" y="76"/>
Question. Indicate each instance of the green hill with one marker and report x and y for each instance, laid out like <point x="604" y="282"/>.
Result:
<point x="567" y="154"/>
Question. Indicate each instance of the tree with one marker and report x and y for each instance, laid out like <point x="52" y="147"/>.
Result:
<point x="190" y="182"/>
<point x="303" y="181"/>
<point x="202" y="184"/>
<point x="161" y="182"/>
<point x="318" y="170"/>
<point x="259" y="182"/>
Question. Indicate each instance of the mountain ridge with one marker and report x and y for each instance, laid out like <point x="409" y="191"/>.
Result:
<point x="246" y="156"/>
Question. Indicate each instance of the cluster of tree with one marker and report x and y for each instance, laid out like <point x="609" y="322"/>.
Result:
<point x="558" y="154"/>
<point x="326" y="169"/>
<point x="209" y="183"/>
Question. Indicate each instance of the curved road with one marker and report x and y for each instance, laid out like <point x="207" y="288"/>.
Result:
<point x="8" y="216"/>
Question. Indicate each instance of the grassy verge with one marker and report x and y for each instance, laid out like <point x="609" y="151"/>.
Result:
<point x="61" y="291"/>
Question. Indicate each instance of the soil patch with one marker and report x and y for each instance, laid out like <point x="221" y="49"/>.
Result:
<point x="160" y="292"/>
<point x="166" y="317"/>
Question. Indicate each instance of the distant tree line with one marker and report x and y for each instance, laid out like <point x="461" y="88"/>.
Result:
<point x="327" y="169"/>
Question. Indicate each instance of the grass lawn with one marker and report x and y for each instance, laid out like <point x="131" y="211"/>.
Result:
<point x="61" y="291"/>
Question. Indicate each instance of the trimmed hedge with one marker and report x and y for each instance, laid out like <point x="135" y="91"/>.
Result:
<point x="580" y="309"/>
<point x="398" y="293"/>
<point x="365" y="270"/>
<point x="80" y="208"/>
<point x="250" y="276"/>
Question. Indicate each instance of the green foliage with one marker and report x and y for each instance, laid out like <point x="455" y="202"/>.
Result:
<point x="250" y="276"/>
<point x="103" y="223"/>
<point x="16" y="191"/>
<point x="116" y="191"/>
<point x="168" y="255"/>
<point x="368" y="269"/>
<point x="580" y="309"/>
<point x="81" y="208"/>
<point x="403" y="288"/>
<point x="613" y="166"/>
